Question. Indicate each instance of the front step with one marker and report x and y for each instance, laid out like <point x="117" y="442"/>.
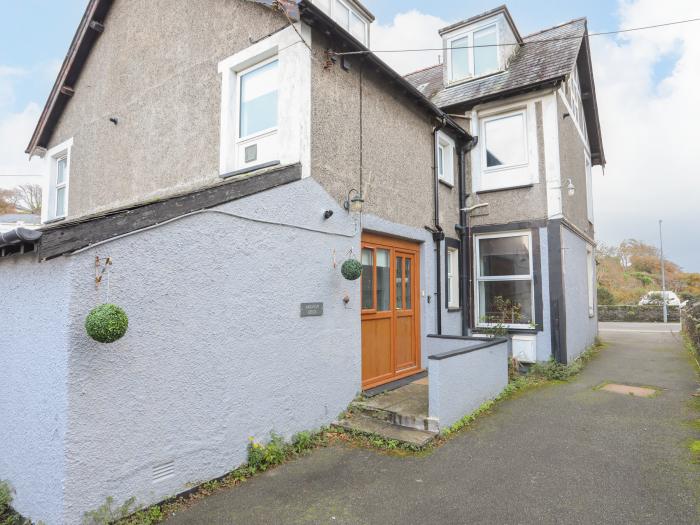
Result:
<point x="370" y="425"/>
<point x="406" y="406"/>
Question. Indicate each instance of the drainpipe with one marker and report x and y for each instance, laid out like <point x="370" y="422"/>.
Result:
<point x="438" y="234"/>
<point x="464" y="240"/>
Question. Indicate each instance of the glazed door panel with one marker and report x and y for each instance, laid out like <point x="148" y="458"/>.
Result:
<point x="390" y="317"/>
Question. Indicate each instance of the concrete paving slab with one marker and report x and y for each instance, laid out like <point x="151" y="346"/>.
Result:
<point x="370" y="425"/>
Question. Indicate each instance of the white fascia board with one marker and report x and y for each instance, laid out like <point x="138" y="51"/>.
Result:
<point x="294" y="96"/>
<point x="550" y="125"/>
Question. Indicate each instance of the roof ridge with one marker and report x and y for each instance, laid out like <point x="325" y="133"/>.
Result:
<point x="580" y="18"/>
<point x="422" y="69"/>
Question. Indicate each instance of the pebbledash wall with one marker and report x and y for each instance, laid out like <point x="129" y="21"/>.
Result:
<point x="581" y="328"/>
<point x="216" y="352"/>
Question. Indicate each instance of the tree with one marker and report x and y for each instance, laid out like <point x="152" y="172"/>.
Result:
<point x="27" y="198"/>
<point x="7" y="201"/>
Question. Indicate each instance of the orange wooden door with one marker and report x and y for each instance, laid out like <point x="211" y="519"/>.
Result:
<point x="390" y="310"/>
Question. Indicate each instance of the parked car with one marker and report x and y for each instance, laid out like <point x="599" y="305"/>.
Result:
<point x="658" y="297"/>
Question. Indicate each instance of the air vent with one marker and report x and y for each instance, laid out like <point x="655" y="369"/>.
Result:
<point x="163" y="471"/>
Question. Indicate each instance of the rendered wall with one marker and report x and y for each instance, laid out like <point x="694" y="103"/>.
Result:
<point x="34" y="310"/>
<point x="216" y="350"/>
<point x="460" y="384"/>
<point x="581" y="329"/>
<point x="155" y="69"/>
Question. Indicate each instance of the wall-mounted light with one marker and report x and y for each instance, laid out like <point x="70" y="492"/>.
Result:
<point x="570" y="188"/>
<point x="353" y="203"/>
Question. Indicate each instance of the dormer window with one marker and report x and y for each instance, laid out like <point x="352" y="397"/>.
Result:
<point x="473" y="53"/>
<point x="346" y="15"/>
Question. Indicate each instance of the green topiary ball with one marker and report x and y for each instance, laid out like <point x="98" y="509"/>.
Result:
<point x="106" y="323"/>
<point x="351" y="269"/>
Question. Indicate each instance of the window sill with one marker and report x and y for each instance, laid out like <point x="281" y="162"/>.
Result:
<point x="55" y="219"/>
<point x="250" y="169"/>
<point x="507" y="188"/>
<point x="533" y="331"/>
<point x="453" y="309"/>
<point x="446" y="183"/>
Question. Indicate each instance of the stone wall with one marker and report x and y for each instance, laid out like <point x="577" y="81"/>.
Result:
<point x="635" y="313"/>
<point x="691" y="324"/>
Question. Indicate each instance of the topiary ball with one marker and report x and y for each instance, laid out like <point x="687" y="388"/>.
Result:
<point x="106" y="323"/>
<point x="351" y="269"/>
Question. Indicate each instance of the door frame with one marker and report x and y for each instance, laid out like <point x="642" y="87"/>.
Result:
<point x="394" y="244"/>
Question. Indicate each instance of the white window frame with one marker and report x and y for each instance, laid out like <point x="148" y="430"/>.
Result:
<point x="239" y="80"/>
<point x="469" y="34"/>
<point x="445" y="170"/>
<point x="478" y="278"/>
<point x="502" y="116"/>
<point x="50" y="193"/>
<point x="512" y="176"/>
<point x="329" y="7"/>
<point x="293" y="132"/>
<point x="452" y="277"/>
<point x="590" y="267"/>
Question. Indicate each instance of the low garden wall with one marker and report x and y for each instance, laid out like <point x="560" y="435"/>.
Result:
<point x="648" y="313"/>
<point x="464" y="373"/>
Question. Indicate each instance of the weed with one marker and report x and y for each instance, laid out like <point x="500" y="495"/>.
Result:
<point x="5" y="497"/>
<point x="106" y="514"/>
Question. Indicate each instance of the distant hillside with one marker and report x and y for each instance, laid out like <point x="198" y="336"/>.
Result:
<point x="628" y="271"/>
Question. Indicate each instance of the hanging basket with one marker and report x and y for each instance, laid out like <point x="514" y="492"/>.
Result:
<point x="351" y="269"/>
<point x="106" y="323"/>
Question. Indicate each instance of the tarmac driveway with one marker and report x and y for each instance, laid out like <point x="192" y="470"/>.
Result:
<point x="565" y="453"/>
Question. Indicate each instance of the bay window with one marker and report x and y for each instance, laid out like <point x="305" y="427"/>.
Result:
<point x="504" y="279"/>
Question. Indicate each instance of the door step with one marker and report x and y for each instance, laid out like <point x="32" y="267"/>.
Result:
<point x="369" y="425"/>
<point x="406" y="406"/>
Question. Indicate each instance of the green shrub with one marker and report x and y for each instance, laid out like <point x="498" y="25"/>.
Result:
<point x="351" y="269"/>
<point x="5" y="497"/>
<point x="605" y="296"/>
<point x="106" y="323"/>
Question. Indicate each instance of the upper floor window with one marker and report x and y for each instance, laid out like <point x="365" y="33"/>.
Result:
<point x="445" y="158"/>
<point x="262" y="124"/>
<point x="257" y="102"/>
<point x="504" y="141"/>
<point x="55" y="200"/>
<point x="473" y="54"/>
<point x="347" y="17"/>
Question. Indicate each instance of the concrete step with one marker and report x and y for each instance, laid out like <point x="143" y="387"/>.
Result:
<point x="370" y="425"/>
<point x="406" y="406"/>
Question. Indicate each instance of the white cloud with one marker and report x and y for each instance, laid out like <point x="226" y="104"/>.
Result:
<point x="411" y="30"/>
<point x="15" y="131"/>
<point x="650" y="132"/>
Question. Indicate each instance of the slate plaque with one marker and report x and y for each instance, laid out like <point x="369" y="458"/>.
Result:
<point x="311" y="309"/>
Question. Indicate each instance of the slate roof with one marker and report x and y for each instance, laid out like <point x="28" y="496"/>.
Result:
<point x="538" y="61"/>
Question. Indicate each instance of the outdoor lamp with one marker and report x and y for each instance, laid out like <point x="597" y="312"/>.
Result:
<point x="353" y="203"/>
<point x="571" y="189"/>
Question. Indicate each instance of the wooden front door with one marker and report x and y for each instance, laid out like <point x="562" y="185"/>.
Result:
<point x="390" y="309"/>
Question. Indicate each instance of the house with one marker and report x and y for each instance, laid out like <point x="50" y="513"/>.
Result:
<point x="531" y="102"/>
<point x="210" y="169"/>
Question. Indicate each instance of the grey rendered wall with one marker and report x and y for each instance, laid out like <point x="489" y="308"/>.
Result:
<point x="581" y="329"/>
<point x="573" y="166"/>
<point x="518" y="204"/>
<point x="395" y="154"/>
<point x="155" y="69"/>
<point x="460" y="384"/>
<point x="216" y="350"/>
<point x="34" y="313"/>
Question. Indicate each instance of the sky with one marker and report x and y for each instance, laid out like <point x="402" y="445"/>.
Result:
<point x="646" y="84"/>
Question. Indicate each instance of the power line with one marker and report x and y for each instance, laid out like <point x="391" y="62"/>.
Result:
<point x="529" y="42"/>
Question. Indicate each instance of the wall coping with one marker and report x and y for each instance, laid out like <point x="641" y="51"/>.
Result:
<point x="486" y="342"/>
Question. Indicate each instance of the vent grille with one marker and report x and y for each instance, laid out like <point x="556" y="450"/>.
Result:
<point x="163" y="471"/>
